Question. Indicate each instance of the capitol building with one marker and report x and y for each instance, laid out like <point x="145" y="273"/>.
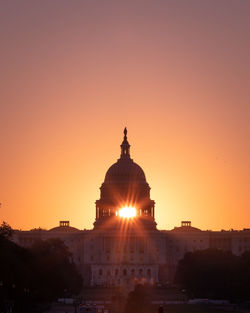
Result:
<point x="125" y="247"/>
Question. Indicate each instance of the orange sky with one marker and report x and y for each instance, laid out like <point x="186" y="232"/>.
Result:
<point x="74" y="73"/>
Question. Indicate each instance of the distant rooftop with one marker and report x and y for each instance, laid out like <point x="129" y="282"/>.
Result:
<point x="186" y="227"/>
<point x="64" y="227"/>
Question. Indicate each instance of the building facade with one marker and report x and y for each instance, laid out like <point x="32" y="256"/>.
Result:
<point x="125" y="247"/>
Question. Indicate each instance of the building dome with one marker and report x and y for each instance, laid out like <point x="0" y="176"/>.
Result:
<point x="64" y="227"/>
<point x="186" y="227"/>
<point x="125" y="170"/>
<point x="124" y="186"/>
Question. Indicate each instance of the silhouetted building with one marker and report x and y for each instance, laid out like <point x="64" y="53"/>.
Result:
<point x="125" y="186"/>
<point x="125" y="247"/>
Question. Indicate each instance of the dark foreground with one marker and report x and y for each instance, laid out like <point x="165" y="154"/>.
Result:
<point x="175" y="308"/>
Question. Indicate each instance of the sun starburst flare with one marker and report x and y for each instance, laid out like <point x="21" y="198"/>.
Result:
<point x="127" y="212"/>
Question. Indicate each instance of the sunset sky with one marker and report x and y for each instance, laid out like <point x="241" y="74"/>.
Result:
<point x="74" y="73"/>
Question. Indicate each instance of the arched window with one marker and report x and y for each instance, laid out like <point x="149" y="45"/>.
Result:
<point x="100" y="272"/>
<point x="116" y="272"/>
<point x="108" y="273"/>
<point x="124" y="272"/>
<point x="140" y="271"/>
<point x="149" y="272"/>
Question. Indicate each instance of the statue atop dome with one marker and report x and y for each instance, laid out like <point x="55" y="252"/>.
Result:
<point x="125" y="146"/>
<point x="125" y="131"/>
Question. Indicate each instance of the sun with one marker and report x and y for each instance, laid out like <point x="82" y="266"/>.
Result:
<point x="127" y="212"/>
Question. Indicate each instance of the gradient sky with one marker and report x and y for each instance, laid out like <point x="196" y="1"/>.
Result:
<point x="74" y="73"/>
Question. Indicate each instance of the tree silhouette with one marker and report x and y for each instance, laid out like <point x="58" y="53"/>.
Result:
<point x="36" y="275"/>
<point x="6" y="230"/>
<point x="139" y="300"/>
<point x="215" y="274"/>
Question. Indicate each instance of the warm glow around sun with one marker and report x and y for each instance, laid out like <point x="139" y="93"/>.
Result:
<point x="127" y="212"/>
<point x="186" y="111"/>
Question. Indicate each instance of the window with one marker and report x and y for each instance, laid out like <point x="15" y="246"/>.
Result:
<point x="116" y="272"/>
<point x="107" y="244"/>
<point x="117" y="249"/>
<point x="100" y="272"/>
<point x="141" y="246"/>
<point x="149" y="272"/>
<point x="145" y="212"/>
<point x="124" y="272"/>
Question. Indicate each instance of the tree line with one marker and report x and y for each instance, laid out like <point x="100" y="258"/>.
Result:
<point x="215" y="274"/>
<point x="35" y="275"/>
